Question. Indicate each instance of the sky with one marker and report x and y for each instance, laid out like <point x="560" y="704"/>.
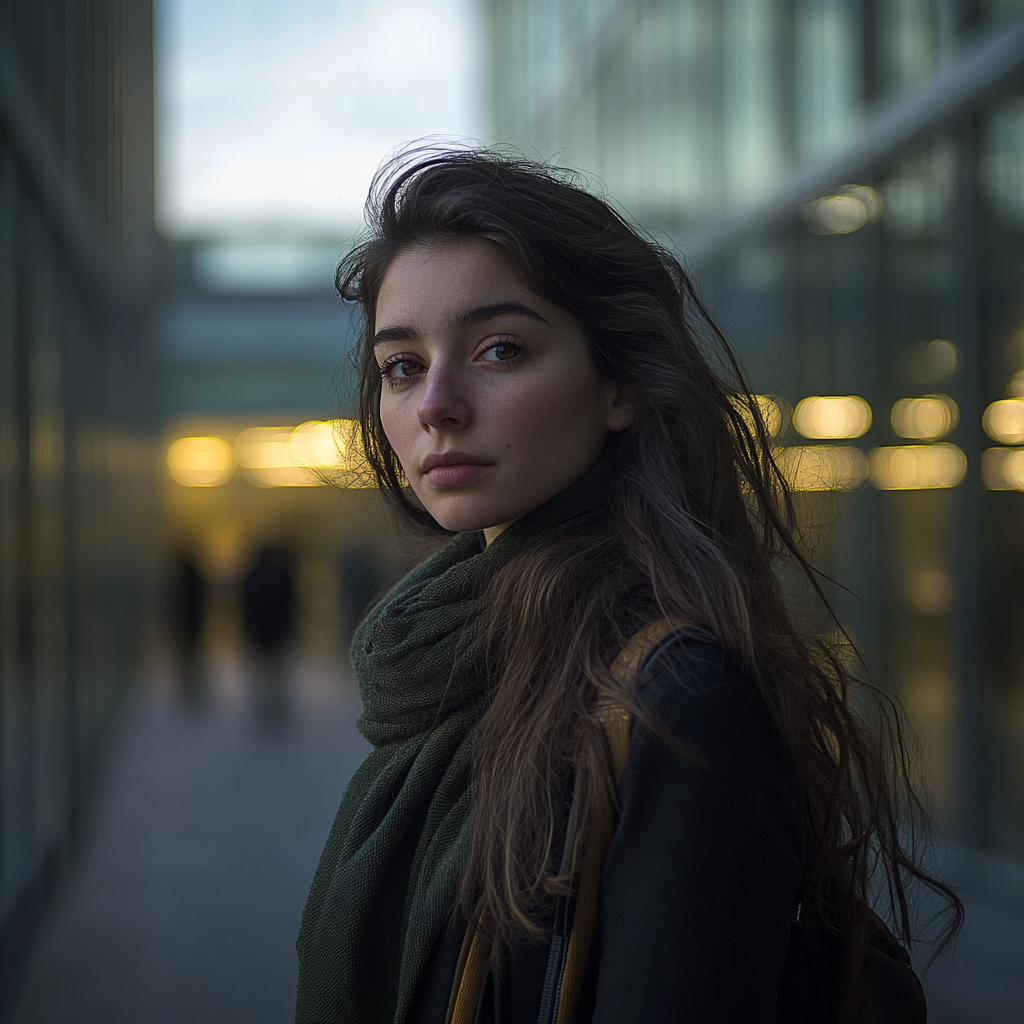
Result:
<point x="272" y="115"/>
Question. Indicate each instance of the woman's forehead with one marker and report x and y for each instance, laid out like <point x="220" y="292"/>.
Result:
<point x="448" y="278"/>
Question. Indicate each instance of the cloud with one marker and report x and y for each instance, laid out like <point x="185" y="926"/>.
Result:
<point x="274" y="117"/>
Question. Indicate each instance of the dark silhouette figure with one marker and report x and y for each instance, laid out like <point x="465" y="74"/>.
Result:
<point x="269" y="600"/>
<point x="268" y="611"/>
<point x="188" y="608"/>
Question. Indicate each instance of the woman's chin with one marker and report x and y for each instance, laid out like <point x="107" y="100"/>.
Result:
<point x="468" y="520"/>
<point x="466" y="525"/>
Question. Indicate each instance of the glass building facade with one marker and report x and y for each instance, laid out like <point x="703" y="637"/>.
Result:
<point x="846" y="180"/>
<point x="78" y="260"/>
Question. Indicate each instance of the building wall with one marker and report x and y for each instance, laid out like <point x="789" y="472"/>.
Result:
<point x="689" y="109"/>
<point x="78" y="257"/>
<point x="740" y="130"/>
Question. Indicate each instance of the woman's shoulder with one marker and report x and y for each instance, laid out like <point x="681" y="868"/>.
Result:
<point x="691" y="666"/>
<point x="703" y="695"/>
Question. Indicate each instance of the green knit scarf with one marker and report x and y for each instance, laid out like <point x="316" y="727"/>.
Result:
<point x="389" y="876"/>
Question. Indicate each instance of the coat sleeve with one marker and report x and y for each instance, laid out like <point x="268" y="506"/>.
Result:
<point x="700" y="883"/>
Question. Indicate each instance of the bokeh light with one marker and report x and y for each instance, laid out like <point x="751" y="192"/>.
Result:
<point x="770" y="409"/>
<point x="200" y="461"/>
<point x="915" y="467"/>
<point x="925" y="419"/>
<point x="847" y="210"/>
<point x="822" y="467"/>
<point x="832" y="417"/>
<point x="1002" y="469"/>
<point x="1004" y="421"/>
<point x="929" y="362"/>
<point x="315" y="453"/>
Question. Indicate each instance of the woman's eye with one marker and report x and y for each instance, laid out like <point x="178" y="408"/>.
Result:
<point x="400" y="370"/>
<point x="502" y="352"/>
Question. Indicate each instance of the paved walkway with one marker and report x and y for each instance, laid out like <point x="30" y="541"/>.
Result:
<point x="186" y="906"/>
<point x="984" y="983"/>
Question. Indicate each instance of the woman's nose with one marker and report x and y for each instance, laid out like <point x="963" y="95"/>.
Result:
<point x="443" y="403"/>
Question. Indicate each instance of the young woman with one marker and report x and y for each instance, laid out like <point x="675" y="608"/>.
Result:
<point x="539" y="380"/>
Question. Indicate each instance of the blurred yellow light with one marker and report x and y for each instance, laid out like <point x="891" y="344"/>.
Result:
<point x="264" y="447"/>
<point x="312" y="454"/>
<point x="769" y="408"/>
<point x="849" y="209"/>
<point x="925" y="419"/>
<point x="315" y="444"/>
<point x="822" y="467"/>
<point x="1004" y="421"/>
<point x="1002" y="469"/>
<point x="200" y="461"/>
<point x="942" y="357"/>
<point x="327" y="444"/>
<point x="839" y="215"/>
<point x="350" y="468"/>
<point x="914" y="467"/>
<point x="928" y="362"/>
<point x="833" y="416"/>
<point x="267" y="453"/>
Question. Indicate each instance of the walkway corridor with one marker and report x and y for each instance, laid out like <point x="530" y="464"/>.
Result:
<point x="187" y="904"/>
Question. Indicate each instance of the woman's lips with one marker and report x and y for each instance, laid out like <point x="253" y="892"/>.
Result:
<point x="454" y="475"/>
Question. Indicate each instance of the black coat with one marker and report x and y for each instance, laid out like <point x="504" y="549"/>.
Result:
<point x="700" y="885"/>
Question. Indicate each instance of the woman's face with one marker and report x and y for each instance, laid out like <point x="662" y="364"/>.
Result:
<point x="489" y="398"/>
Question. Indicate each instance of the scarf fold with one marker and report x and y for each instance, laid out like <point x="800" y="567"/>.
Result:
<point x="389" y="876"/>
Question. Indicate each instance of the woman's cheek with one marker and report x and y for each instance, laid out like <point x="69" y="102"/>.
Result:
<point x="399" y="428"/>
<point x="528" y="414"/>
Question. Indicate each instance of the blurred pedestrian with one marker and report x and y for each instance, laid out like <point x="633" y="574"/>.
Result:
<point x="613" y="779"/>
<point x="188" y="612"/>
<point x="268" y="614"/>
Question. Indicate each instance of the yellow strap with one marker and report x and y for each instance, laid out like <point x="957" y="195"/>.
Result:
<point x="469" y="978"/>
<point x="476" y="947"/>
<point x="616" y="721"/>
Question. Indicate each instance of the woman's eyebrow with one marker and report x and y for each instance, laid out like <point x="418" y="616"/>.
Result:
<point x="480" y="313"/>
<point x="466" y="318"/>
<point x="394" y="334"/>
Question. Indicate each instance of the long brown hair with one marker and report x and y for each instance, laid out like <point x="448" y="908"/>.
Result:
<point x="701" y="521"/>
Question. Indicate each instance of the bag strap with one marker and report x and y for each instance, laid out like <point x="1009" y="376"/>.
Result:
<point x="567" y="965"/>
<point x="469" y="977"/>
<point x="616" y="721"/>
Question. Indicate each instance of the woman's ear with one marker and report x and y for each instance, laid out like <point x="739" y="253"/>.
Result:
<point x="621" y="409"/>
